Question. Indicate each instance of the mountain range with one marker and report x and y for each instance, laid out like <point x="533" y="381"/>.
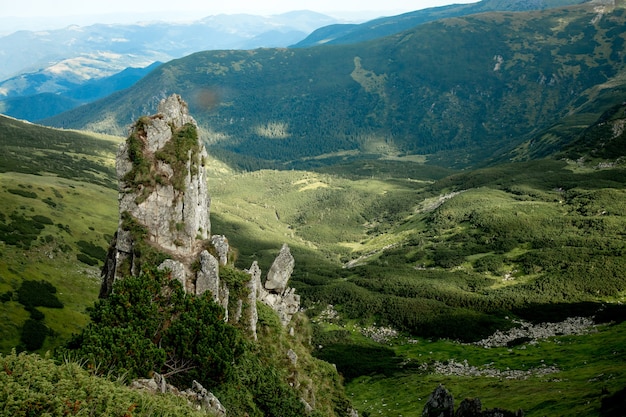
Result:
<point x="384" y="26"/>
<point x="62" y="64"/>
<point x="456" y="92"/>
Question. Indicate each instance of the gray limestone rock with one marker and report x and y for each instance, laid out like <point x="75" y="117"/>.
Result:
<point x="220" y="243"/>
<point x="224" y="296"/>
<point x="292" y="356"/>
<point x="177" y="269"/>
<point x="207" y="401"/>
<point x="276" y="292"/>
<point x="171" y="203"/>
<point x="254" y="287"/>
<point x="287" y="305"/>
<point x="280" y="271"/>
<point x="208" y="278"/>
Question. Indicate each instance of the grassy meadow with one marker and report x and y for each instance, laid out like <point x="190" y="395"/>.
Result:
<point x="446" y="261"/>
<point x="58" y="213"/>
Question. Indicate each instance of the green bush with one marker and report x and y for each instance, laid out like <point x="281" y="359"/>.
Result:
<point x="34" y="333"/>
<point x="38" y="294"/>
<point x="92" y="250"/>
<point x="42" y="219"/>
<point x="23" y="193"/>
<point x="86" y="259"/>
<point x="489" y="263"/>
<point x="31" y="385"/>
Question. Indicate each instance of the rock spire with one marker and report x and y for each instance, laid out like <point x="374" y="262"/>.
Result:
<point x="162" y="190"/>
<point x="164" y="207"/>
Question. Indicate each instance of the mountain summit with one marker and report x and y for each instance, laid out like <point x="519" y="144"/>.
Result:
<point x="162" y="191"/>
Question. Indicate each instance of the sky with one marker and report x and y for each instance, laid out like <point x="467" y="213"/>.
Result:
<point x="47" y="14"/>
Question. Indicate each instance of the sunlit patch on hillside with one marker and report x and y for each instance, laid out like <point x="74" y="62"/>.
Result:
<point x="369" y="80"/>
<point x="307" y="184"/>
<point x="211" y="137"/>
<point x="273" y="130"/>
<point x="420" y="159"/>
<point x="377" y="144"/>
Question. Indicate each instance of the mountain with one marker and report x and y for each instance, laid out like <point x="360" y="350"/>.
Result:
<point x="37" y="106"/>
<point x="56" y="58"/>
<point x="255" y="356"/>
<point x="384" y="26"/>
<point x="455" y="92"/>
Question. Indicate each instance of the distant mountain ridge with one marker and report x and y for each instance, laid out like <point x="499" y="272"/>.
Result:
<point x="68" y="67"/>
<point x="457" y="92"/>
<point x="141" y="44"/>
<point x="350" y="33"/>
<point x="38" y="106"/>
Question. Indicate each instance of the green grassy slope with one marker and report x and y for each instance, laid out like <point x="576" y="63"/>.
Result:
<point x="58" y="212"/>
<point x="444" y="258"/>
<point x="456" y="91"/>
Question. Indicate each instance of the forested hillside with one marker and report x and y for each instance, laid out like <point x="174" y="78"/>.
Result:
<point x="457" y="91"/>
<point x="384" y="26"/>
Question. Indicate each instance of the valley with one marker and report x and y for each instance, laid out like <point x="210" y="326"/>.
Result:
<point x="427" y="209"/>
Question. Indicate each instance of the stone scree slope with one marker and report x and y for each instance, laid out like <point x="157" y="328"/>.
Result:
<point x="163" y="192"/>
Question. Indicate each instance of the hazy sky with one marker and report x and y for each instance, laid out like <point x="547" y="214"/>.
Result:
<point x="47" y="14"/>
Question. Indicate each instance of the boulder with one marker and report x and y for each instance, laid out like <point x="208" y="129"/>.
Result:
<point x="439" y="404"/>
<point x="177" y="271"/>
<point x="280" y="271"/>
<point x="220" y="243"/>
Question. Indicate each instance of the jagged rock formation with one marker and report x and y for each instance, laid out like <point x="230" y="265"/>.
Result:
<point x="197" y="396"/>
<point x="162" y="191"/>
<point x="441" y="404"/>
<point x="276" y="293"/>
<point x="164" y="208"/>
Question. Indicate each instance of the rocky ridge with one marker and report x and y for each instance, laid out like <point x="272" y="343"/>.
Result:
<point x="164" y="216"/>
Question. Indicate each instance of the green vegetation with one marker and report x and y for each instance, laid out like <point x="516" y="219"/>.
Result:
<point x="305" y="108"/>
<point x="47" y="250"/>
<point x="197" y="345"/>
<point x="445" y="258"/>
<point x="32" y="149"/>
<point x="177" y="152"/>
<point x="34" y="385"/>
<point x="148" y="324"/>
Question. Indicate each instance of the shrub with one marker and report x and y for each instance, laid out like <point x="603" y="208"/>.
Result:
<point x="92" y="250"/>
<point x="489" y="263"/>
<point x="34" y="333"/>
<point x="23" y="193"/>
<point x="86" y="259"/>
<point x="38" y="294"/>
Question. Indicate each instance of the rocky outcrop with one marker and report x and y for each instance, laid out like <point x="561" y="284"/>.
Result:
<point x="197" y="396"/>
<point x="441" y="404"/>
<point x="528" y="332"/>
<point x="280" y="271"/>
<point x="163" y="196"/>
<point x="275" y="292"/>
<point x="164" y="208"/>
